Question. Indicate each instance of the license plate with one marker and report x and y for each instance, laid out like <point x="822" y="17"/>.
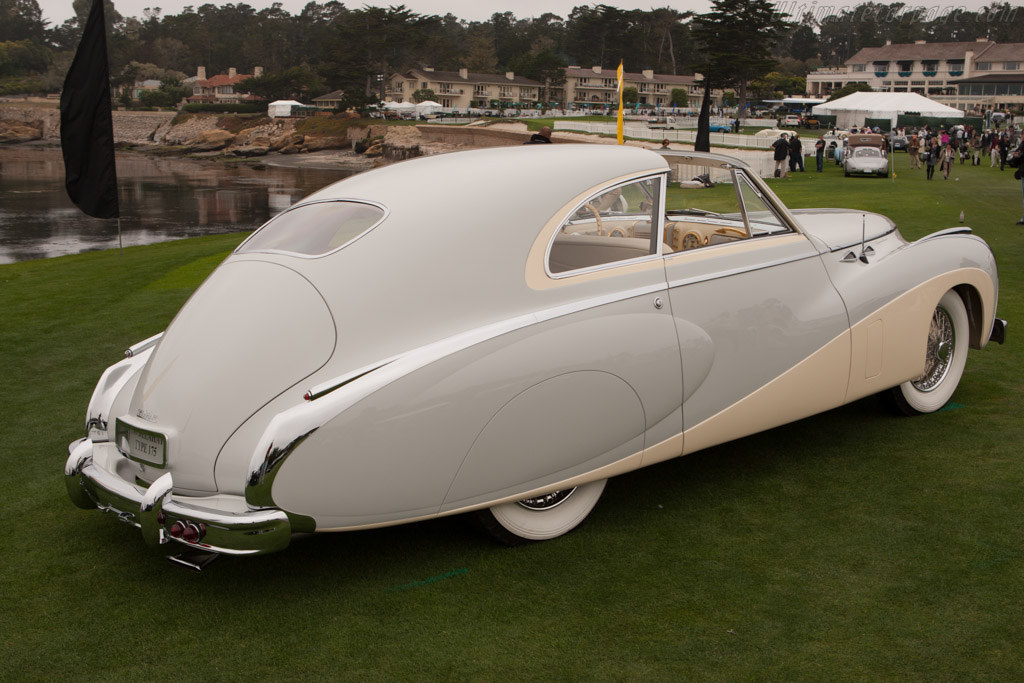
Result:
<point x="142" y="444"/>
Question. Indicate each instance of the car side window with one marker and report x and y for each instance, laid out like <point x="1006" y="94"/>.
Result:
<point x="611" y="227"/>
<point x="704" y="213"/>
<point x="761" y="220"/>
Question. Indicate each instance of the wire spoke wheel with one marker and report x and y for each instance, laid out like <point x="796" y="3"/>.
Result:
<point x="945" y="358"/>
<point x="939" y="356"/>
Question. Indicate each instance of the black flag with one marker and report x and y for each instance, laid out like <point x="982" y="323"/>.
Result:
<point x="86" y="126"/>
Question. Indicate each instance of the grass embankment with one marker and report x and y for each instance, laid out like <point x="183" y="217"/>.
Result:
<point x="334" y="126"/>
<point x="850" y="546"/>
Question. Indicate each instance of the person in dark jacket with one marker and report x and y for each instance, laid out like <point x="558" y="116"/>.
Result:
<point x="541" y="138"/>
<point x="781" y="153"/>
<point x="796" y="154"/>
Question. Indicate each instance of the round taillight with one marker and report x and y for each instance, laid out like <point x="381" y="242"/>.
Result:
<point x="177" y="529"/>
<point x="192" y="534"/>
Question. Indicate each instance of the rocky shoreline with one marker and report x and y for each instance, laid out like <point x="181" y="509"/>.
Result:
<point x="214" y="135"/>
<point x="342" y="143"/>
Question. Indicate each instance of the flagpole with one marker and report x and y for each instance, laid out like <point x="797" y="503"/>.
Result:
<point x="619" y="123"/>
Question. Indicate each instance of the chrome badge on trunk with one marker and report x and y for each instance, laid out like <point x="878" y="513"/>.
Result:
<point x="142" y="445"/>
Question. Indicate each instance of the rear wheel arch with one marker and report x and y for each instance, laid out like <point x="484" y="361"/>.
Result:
<point x="975" y="313"/>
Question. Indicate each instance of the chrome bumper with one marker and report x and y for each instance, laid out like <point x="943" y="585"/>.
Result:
<point x="232" y="528"/>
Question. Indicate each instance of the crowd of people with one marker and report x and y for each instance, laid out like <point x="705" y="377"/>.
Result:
<point x="944" y="148"/>
<point x="927" y="148"/>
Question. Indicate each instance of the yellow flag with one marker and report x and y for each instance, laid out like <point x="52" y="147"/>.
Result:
<point x="619" y="77"/>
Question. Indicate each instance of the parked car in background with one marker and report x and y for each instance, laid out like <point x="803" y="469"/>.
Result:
<point x="372" y="357"/>
<point x="791" y="121"/>
<point x="810" y="121"/>
<point x="865" y="154"/>
<point x="834" y="142"/>
<point x="666" y="122"/>
<point x="898" y="141"/>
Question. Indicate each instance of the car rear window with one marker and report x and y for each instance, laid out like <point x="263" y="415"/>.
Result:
<point x="315" y="229"/>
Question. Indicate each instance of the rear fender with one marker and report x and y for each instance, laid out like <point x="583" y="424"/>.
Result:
<point x="113" y="383"/>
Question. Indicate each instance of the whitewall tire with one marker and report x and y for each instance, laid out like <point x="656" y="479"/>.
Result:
<point x="543" y="517"/>
<point x="946" y="356"/>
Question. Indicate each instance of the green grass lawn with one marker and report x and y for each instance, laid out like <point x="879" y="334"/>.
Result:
<point x="851" y="546"/>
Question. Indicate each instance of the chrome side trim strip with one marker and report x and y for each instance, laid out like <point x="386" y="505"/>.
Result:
<point x="959" y="230"/>
<point x="857" y="243"/>
<point x="488" y="332"/>
<point x="736" y="271"/>
<point x="327" y="387"/>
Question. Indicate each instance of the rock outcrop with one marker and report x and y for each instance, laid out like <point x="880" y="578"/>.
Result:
<point x="20" y="131"/>
<point x="211" y="140"/>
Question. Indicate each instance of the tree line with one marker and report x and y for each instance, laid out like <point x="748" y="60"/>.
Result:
<point x="330" y="46"/>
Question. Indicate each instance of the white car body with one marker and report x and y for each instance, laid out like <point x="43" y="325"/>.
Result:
<point x="438" y="337"/>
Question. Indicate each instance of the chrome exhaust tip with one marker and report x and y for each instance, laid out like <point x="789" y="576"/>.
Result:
<point x="196" y="561"/>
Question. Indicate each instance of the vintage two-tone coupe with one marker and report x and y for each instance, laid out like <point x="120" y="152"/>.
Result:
<point x="500" y="331"/>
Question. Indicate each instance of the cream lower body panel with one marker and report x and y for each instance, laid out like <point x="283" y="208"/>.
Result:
<point x="889" y="345"/>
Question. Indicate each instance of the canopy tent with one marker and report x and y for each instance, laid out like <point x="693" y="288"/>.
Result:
<point x="282" y="108"/>
<point x="428" y="107"/>
<point x="852" y="110"/>
<point x="399" y="106"/>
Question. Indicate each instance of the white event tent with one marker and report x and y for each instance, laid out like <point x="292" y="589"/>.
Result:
<point x="282" y="108"/>
<point x="853" y="109"/>
<point x="428" y="107"/>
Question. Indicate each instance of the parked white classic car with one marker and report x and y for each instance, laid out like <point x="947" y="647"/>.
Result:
<point x="865" y="154"/>
<point x="499" y="332"/>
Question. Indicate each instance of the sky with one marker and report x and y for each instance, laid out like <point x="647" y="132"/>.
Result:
<point x="479" y="10"/>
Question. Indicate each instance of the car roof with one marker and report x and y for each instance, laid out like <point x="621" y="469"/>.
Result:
<point x="517" y="178"/>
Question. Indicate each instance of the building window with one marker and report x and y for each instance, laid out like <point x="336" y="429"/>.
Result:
<point x="984" y="66"/>
<point x="609" y="83"/>
<point x="1011" y="66"/>
<point x="480" y="90"/>
<point x="859" y="67"/>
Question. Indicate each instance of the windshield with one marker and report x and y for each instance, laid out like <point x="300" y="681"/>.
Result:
<point x="314" y="229"/>
<point x="863" y="152"/>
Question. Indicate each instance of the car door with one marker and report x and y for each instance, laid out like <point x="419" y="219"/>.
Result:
<point x="764" y="336"/>
<point x="594" y="384"/>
